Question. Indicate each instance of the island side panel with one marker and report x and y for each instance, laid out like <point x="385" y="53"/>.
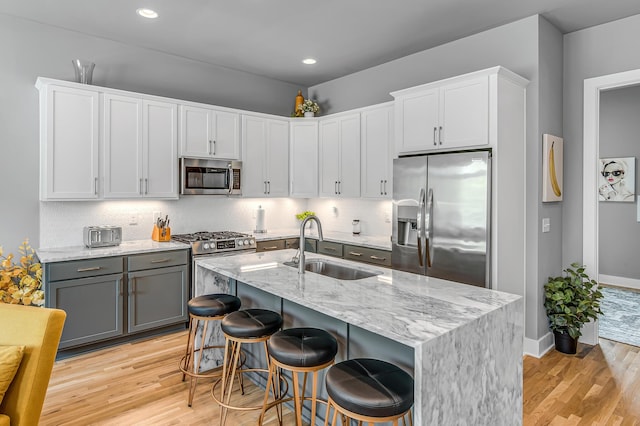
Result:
<point x="209" y="282"/>
<point x="473" y="375"/>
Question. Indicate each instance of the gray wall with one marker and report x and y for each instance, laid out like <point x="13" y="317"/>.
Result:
<point x="593" y="52"/>
<point x="30" y="50"/>
<point x="530" y="47"/>
<point x="619" y="230"/>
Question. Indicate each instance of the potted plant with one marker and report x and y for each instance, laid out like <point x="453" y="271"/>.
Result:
<point x="302" y="216"/>
<point x="309" y="107"/>
<point x="21" y="283"/>
<point x="571" y="300"/>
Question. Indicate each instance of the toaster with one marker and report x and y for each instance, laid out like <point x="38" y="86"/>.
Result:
<point x="102" y="236"/>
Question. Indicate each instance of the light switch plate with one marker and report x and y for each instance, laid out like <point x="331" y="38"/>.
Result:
<point x="546" y="224"/>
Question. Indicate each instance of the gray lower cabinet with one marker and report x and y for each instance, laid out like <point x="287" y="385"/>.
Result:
<point x="111" y="297"/>
<point x="330" y="248"/>
<point x="288" y="243"/>
<point x="368" y="255"/>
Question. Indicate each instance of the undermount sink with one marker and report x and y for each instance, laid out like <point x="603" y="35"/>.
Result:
<point x="334" y="270"/>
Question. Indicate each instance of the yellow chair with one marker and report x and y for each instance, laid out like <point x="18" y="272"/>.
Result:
<point x="39" y="330"/>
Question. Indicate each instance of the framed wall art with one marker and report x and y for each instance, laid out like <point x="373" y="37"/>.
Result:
<point x="617" y="179"/>
<point x="551" y="168"/>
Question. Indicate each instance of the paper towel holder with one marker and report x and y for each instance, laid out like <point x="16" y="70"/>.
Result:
<point x="260" y="228"/>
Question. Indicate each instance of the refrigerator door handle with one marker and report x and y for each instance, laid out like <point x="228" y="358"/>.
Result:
<point x="420" y="226"/>
<point x="429" y="229"/>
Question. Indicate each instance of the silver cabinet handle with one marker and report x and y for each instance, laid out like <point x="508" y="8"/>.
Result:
<point x="146" y="186"/>
<point x="440" y="135"/>
<point x="214" y="147"/>
<point x="381" y="190"/>
<point x="335" y="187"/>
<point x="265" y="187"/>
<point x="339" y="189"/>
<point x="140" y="187"/>
<point x="165" y="260"/>
<point x="353" y="253"/>
<point x="435" y="129"/>
<point x="209" y="146"/>
<point x="377" y="258"/>
<point x="268" y="187"/>
<point x="385" y="187"/>
<point x="92" y="268"/>
<point x="95" y="185"/>
<point x="330" y="249"/>
<point x="270" y="248"/>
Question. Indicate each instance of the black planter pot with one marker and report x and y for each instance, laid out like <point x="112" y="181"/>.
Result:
<point x="565" y="343"/>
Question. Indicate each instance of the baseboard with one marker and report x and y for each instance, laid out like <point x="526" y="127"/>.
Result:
<point x="537" y="348"/>
<point x="619" y="281"/>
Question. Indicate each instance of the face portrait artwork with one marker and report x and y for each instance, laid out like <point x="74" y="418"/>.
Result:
<point x="617" y="179"/>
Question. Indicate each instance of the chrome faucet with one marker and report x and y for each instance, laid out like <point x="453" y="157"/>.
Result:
<point x="302" y="242"/>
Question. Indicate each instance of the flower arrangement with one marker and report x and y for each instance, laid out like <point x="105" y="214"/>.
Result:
<point x="304" y="214"/>
<point x="309" y="106"/>
<point x="21" y="283"/>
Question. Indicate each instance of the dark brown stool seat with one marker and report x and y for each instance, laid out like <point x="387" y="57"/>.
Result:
<point x="202" y="310"/>
<point x="300" y="350"/>
<point x="245" y="326"/>
<point x="371" y="390"/>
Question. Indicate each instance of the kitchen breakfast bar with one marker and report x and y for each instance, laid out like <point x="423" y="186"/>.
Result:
<point x="462" y="344"/>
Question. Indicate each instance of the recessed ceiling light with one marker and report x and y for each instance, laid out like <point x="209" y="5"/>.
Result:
<point x="147" y="13"/>
<point x="309" y="61"/>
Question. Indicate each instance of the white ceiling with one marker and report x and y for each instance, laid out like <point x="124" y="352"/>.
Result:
<point x="271" y="37"/>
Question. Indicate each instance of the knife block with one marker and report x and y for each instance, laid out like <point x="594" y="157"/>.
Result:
<point x="157" y="235"/>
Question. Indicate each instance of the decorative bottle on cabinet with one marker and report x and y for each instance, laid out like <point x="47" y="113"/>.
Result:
<point x="299" y="101"/>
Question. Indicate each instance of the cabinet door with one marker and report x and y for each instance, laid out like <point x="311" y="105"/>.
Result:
<point x="123" y="177"/>
<point x="226" y="136"/>
<point x="349" y="180"/>
<point x="254" y="147"/>
<point x="196" y="128"/>
<point x="464" y="114"/>
<point x="157" y="298"/>
<point x="160" y="143"/>
<point x="304" y="158"/>
<point x="277" y="158"/>
<point x="417" y="124"/>
<point x="70" y="131"/>
<point x="377" y="146"/>
<point x="93" y="307"/>
<point x="329" y="158"/>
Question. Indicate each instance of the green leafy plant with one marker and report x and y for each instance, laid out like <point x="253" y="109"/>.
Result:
<point x="571" y="300"/>
<point x="304" y="214"/>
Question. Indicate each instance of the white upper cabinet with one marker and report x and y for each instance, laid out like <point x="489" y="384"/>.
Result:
<point x="265" y="161"/>
<point x="140" y="148"/>
<point x="69" y="142"/>
<point x="444" y="115"/>
<point x="209" y="133"/>
<point x="160" y="149"/>
<point x="340" y="156"/>
<point x="303" y="154"/>
<point x="377" y="151"/>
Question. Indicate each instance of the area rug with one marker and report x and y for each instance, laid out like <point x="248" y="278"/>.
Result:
<point x="621" y="319"/>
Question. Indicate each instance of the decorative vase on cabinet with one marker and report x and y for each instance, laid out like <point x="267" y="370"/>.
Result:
<point x="309" y="114"/>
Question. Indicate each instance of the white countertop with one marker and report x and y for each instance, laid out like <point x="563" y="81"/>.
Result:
<point x="62" y="254"/>
<point x="380" y="242"/>
<point x="408" y="308"/>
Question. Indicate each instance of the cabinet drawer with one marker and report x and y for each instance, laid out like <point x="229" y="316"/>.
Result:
<point x="270" y="245"/>
<point x="362" y="254"/>
<point x="83" y="268"/>
<point x="294" y="243"/>
<point x="329" y="248"/>
<point x="161" y="259"/>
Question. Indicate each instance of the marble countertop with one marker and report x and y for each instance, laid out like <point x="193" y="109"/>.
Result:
<point x="408" y="308"/>
<point x="372" y="241"/>
<point x="62" y="254"/>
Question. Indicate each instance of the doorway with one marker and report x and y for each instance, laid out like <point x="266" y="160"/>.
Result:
<point x="593" y="89"/>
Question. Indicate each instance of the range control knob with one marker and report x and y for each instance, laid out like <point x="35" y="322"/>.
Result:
<point x="251" y="242"/>
<point x="240" y="243"/>
<point x="206" y="246"/>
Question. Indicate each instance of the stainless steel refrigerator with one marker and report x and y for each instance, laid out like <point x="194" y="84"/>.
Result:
<point x="441" y="216"/>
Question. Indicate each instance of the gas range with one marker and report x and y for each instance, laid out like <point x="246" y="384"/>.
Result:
<point x="216" y="242"/>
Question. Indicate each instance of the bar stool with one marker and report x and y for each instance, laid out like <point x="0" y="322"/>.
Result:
<point x="300" y="350"/>
<point x="246" y="326"/>
<point x="202" y="310"/>
<point x="369" y="390"/>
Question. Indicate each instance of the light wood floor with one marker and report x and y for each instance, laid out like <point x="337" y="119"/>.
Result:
<point x="139" y="383"/>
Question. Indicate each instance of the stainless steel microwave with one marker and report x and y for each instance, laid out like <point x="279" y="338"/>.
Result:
<point x="210" y="177"/>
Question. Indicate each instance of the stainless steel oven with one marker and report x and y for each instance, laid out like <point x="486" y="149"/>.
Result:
<point x="210" y="177"/>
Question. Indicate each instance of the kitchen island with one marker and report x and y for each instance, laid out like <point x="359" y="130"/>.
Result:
<point x="462" y="344"/>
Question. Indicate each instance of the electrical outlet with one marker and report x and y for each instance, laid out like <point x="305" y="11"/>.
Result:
<point x="387" y="219"/>
<point x="133" y="220"/>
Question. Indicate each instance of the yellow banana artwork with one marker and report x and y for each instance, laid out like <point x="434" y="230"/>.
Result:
<point x="552" y="172"/>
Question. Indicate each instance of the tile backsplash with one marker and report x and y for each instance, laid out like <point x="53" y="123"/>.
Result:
<point x="61" y="222"/>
